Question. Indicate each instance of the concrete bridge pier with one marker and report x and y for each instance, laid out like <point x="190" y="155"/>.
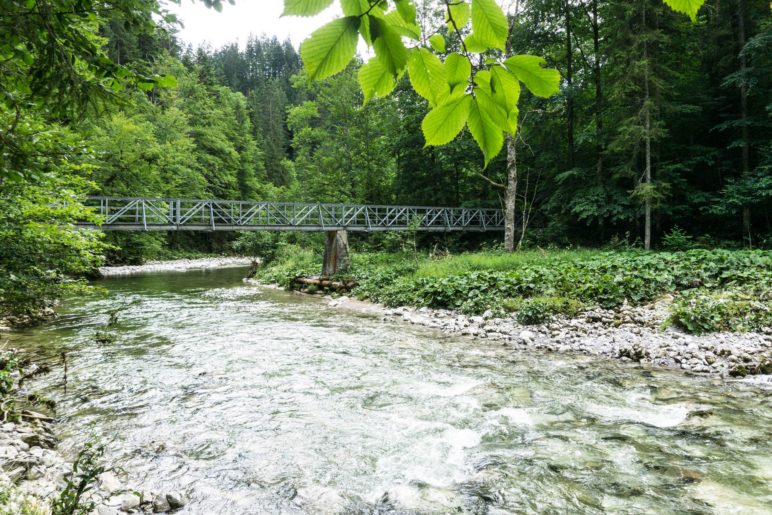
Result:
<point x="336" y="258"/>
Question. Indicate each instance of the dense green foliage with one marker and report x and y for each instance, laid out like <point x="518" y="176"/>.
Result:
<point x="715" y="290"/>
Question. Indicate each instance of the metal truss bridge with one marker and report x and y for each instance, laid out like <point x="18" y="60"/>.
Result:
<point x="150" y="214"/>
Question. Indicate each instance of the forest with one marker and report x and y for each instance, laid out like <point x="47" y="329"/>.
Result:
<point x="658" y="118"/>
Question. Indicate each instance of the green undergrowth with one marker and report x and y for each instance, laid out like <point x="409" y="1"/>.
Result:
<point x="714" y="289"/>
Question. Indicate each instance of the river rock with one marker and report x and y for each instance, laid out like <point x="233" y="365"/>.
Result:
<point x="527" y="336"/>
<point x="176" y="500"/>
<point x="109" y="483"/>
<point x="160" y="504"/>
<point x="106" y="510"/>
<point x="129" y="501"/>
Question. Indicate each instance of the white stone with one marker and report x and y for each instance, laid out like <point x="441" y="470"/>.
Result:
<point x="129" y="501"/>
<point x="109" y="483"/>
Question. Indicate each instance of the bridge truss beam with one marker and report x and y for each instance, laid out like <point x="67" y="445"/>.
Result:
<point x="149" y="214"/>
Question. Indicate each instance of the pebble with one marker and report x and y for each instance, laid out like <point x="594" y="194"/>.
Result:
<point x="638" y="338"/>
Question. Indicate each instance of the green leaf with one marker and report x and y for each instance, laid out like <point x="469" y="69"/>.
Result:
<point x="542" y="82"/>
<point x="483" y="80"/>
<point x="375" y="79"/>
<point x="330" y="48"/>
<point x="458" y="70"/>
<point x="428" y="76"/>
<point x="489" y="24"/>
<point x="506" y="88"/>
<point x="461" y="13"/>
<point x="406" y="10"/>
<point x="437" y="41"/>
<point x="506" y="93"/>
<point x="485" y="123"/>
<point x="409" y="30"/>
<point x="388" y="45"/>
<point x="472" y="44"/>
<point x="443" y="123"/>
<point x="304" y="7"/>
<point x="167" y="81"/>
<point x="689" y="7"/>
<point x="354" y="7"/>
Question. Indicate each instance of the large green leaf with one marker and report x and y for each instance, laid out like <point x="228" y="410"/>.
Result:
<point x="542" y="82"/>
<point x="388" y="45"/>
<point x="506" y="92"/>
<point x="460" y="14"/>
<point x="485" y="122"/>
<point x="406" y="10"/>
<point x="428" y="76"/>
<point x="472" y="44"/>
<point x="458" y="69"/>
<point x="443" y="123"/>
<point x="305" y="7"/>
<point x="330" y="48"/>
<point x="409" y="30"/>
<point x="354" y="7"/>
<point x="689" y="7"/>
<point x="505" y="87"/>
<point x="375" y="79"/>
<point x="489" y="24"/>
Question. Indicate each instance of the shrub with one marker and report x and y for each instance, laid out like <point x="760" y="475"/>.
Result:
<point x="538" y="310"/>
<point x="704" y="311"/>
<point x="541" y="284"/>
<point x="677" y="240"/>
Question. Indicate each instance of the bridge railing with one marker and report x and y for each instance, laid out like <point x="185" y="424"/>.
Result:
<point x="126" y="213"/>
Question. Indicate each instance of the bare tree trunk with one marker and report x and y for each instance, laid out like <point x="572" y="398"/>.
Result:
<point x="598" y="91"/>
<point x="569" y="81"/>
<point x="647" y="115"/>
<point x="511" y="194"/>
<point x="746" y="151"/>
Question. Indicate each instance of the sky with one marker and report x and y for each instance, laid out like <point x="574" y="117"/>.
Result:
<point x="236" y="22"/>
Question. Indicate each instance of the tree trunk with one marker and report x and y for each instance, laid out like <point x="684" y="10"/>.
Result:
<point x="336" y="258"/>
<point x="647" y="122"/>
<point x="746" y="151"/>
<point x="598" y="92"/>
<point x="511" y="194"/>
<point x="570" y="96"/>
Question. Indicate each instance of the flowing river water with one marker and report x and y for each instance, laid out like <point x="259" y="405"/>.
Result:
<point x="253" y="400"/>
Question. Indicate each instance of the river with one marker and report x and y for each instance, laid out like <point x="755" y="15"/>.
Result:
<point x="253" y="400"/>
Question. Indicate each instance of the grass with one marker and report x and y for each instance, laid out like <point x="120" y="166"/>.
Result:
<point x="539" y="285"/>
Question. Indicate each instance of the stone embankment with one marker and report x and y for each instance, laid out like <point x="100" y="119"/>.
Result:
<point x="630" y="334"/>
<point x="177" y="265"/>
<point x="33" y="470"/>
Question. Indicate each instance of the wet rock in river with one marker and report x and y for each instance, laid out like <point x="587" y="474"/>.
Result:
<point x="176" y="500"/>
<point x="160" y="504"/>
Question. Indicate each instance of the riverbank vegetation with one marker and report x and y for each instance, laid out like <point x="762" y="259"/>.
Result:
<point x="710" y="290"/>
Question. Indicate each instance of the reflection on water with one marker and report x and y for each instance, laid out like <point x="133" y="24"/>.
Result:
<point x="259" y="401"/>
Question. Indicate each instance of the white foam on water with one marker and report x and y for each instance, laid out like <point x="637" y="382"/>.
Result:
<point x="517" y="416"/>
<point x="649" y="414"/>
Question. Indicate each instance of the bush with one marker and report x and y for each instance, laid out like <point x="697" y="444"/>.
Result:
<point x="704" y="311"/>
<point x="538" y="310"/>
<point x="258" y="244"/>
<point x="538" y="285"/>
<point x="677" y="240"/>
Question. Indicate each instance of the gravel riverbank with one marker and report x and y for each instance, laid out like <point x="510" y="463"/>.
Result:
<point x="34" y="472"/>
<point x="630" y="334"/>
<point x="177" y="265"/>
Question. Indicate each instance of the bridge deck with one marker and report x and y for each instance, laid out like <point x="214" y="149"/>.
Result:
<point x="149" y="214"/>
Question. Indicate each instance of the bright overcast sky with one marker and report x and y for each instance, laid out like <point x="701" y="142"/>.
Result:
<point x="236" y="22"/>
